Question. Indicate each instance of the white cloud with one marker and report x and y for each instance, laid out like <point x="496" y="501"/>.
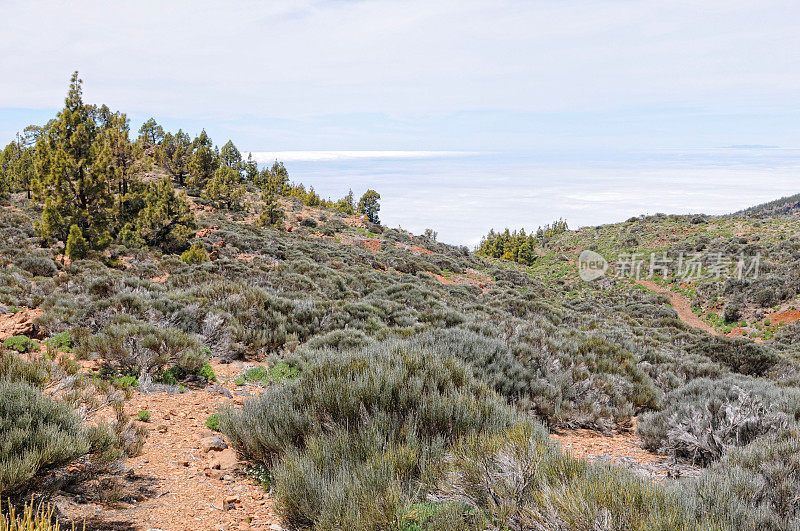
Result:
<point x="316" y="156"/>
<point x="291" y="58"/>
<point x="419" y="74"/>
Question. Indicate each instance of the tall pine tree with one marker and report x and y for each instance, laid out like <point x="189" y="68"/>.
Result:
<point x="173" y="153"/>
<point x="203" y="162"/>
<point x="74" y="176"/>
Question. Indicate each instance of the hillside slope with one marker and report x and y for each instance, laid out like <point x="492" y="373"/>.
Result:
<point x="573" y="354"/>
<point x="361" y="377"/>
<point x="786" y="206"/>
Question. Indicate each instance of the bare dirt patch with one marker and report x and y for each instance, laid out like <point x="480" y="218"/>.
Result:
<point x="416" y="249"/>
<point x="371" y="244"/>
<point x="355" y="221"/>
<point x="471" y="277"/>
<point x="785" y="316"/>
<point x="202" y="233"/>
<point x="18" y="324"/>
<point x="186" y="477"/>
<point x="622" y="448"/>
<point x="200" y="210"/>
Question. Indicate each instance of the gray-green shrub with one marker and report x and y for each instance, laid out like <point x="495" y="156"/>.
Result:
<point x="706" y="417"/>
<point x="754" y="488"/>
<point x="350" y="440"/>
<point x="36" y="434"/>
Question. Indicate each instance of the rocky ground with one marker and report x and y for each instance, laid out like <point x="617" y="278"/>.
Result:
<point x="623" y="448"/>
<point x="185" y="478"/>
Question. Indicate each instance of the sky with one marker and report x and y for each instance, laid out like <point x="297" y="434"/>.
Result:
<point x="418" y="75"/>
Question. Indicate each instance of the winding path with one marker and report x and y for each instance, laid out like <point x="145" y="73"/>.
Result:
<point x="681" y="305"/>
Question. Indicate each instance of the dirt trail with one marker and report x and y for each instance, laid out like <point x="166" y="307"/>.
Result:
<point x="681" y="305"/>
<point x="623" y="449"/>
<point x="177" y="483"/>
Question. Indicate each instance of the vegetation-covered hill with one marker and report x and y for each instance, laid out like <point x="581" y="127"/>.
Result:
<point x="408" y="384"/>
<point x="780" y="207"/>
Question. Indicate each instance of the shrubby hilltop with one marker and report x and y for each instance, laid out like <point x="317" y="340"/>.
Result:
<point x="366" y="377"/>
<point x="784" y="206"/>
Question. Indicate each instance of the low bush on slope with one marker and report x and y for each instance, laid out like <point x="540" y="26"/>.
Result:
<point x="36" y="434"/>
<point x="41" y="434"/>
<point x="397" y="436"/>
<point x="754" y="488"/>
<point x="350" y="441"/>
<point x="706" y="417"/>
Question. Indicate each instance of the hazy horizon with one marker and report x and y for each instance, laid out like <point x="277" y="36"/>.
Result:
<point x="462" y="196"/>
<point x="514" y="112"/>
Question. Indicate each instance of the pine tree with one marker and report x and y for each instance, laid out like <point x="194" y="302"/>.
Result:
<point x="17" y="166"/>
<point x="312" y="198"/>
<point x="6" y="177"/>
<point x="164" y="219"/>
<point x="525" y="253"/>
<point x="347" y="204"/>
<point x="230" y="156"/>
<point x="73" y="179"/>
<point x="272" y="215"/>
<point x="250" y="168"/>
<point x="203" y="162"/>
<point x="7" y="168"/>
<point x="275" y="179"/>
<point x="151" y="133"/>
<point x="225" y="188"/>
<point x="173" y="153"/>
<point x="369" y="205"/>
<point x="77" y="246"/>
<point x="120" y="152"/>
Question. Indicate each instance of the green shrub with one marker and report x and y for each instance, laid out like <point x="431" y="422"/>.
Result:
<point x="207" y="371"/>
<point x="276" y="373"/>
<point x="171" y="376"/>
<point x="212" y="422"/>
<point x="309" y="222"/>
<point x="62" y="341"/>
<point x="21" y="344"/>
<point x="175" y="375"/>
<point x="584" y="380"/>
<point x="143" y="416"/>
<point x="740" y="355"/>
<point x="765" y="297"/>
<point x="732" y="312"/>
<point x="515" y="480"/>
<point x="125" y="382"/>
<point x="77" y="247"/>
<point x="36" y="434"/>
<point x="38" y="266"/>
<point x="36" y="372"/>
<point x="133" y="346"/>
<point x="196" y="254"/>
<point x="339" y="339"/>
<point x="755" y="487"/>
